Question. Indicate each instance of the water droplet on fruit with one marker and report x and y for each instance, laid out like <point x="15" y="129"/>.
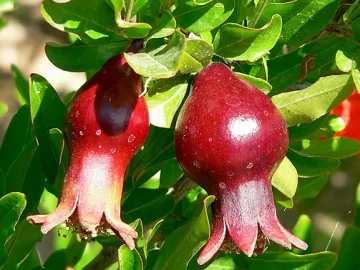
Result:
<point x="113" y="150"/>
<point x="196" y="164"/>
<point x="250" y="165"/>
<point x="131" y="138"/>
<point x="269" y="148"/>
<point x="210" y="139"/>
<point x="98" y="132"/>
<point x="99" y="146"/>
<point x="266" y="113"/>
<point x="77" y="113"/>
<point x="222" y="185"/>
<point x="230" y="173"/>
<point x="81" y="133"/>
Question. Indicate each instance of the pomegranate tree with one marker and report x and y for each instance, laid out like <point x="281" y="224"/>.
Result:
<point x="107" y="123"/>
<point x="230" y="138"/>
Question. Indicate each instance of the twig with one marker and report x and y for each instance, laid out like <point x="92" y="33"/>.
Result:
<point x="129" y="10"/>
<point x="182" y="187"/>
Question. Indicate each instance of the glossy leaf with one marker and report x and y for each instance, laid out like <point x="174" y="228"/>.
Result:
<point x="19" y="133"/>
<point x="276" y="261"/>
<point x="21" y="84"/>
<point x="338" y="147"/>
<point x="302" y="230"/>
<point x="149" y="205"/>
<point x="236" y="42"/>
<point x="197" y="55"/>
<point x="302" y="19"/>
<point x="74" y="17"/>
<point x="185" y="242"/>
<point x="310" y="187"/>
<point x="11" y="207"/>
<point x="197" y="18"/>
<point x="163" y="27"/>
<point x="21" y="243"/>
<point x="259" y="83"/>
<point x="47" y="111"/>
<point x="16" y="174"/>
<point x="285" y="178"/>
<point x="75" y="57"/>
<point x="304" y="106"/>
<point x="129" y="259"/>
<point x="170" y="174"/>
<point x="133" y="30"/>
<point x="163" y="62"/>
<point x="312" y="59"/>
<point x="164" y="99"/>
<point x="312" y="166"/>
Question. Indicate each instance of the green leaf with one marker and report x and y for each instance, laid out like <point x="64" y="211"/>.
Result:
<point x="275" y="261"/>
<point x="78" y="57"/>
<point x="21" y="244"/>
<point x="116" y="5"/>
<point x="338" y="147"/>
<point x="348" y="256"/>
<point x="129" y="259"/>
<point x="47" y="111"/>
<point x="91" y="20"/>
<point x="304" y="106"/>
<point x="291" y="68"/>
<point x="148" y="204"/>
<point x="356" y="29"/>
<point x="163" y="27"/>
<point x="310" y="187"/>
<point x="158" y="145"/>
<point x="285" y="178"/>
<point x="348" y="58"/>
<point x="198" y="18"/>
<point x="185" y="242"/>
<point x="237" y="42"/>
<point x="301" y="131"/>
<point x="11" y="207"/>
<point x="16" y="174"/>
<point x="18" y="135"/>
<point x="2" y="183"/>
<point x="197" y="55"/>
<point x="3" y="109"/>
<point x="312" y="166"/>
<point x="133" y="30"/>
<point x="302" y="230"/>
<point x="355" y="73"/>
<point x="302" y="19"/>
<point x="170" y="174"/>
<point x="259" y="83"/>
<point x="162" y="62"/>
<point x="22" y="85"/>
<point x="164" y="100"/>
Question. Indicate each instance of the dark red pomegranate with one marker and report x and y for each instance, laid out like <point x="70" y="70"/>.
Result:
<point x="230" y="138"/>
<point x="107" y="123"/>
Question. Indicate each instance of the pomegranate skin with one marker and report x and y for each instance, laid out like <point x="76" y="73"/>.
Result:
<point x="107" y="123"/>
<point x="229" y="139"/>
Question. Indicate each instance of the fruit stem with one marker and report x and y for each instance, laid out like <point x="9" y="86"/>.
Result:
<point x="182" y="187"/>
<point x="129" y="10"/>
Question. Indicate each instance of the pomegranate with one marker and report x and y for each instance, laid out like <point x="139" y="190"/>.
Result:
<point x="229" y="139"/>
<point x="106" y="124"/>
